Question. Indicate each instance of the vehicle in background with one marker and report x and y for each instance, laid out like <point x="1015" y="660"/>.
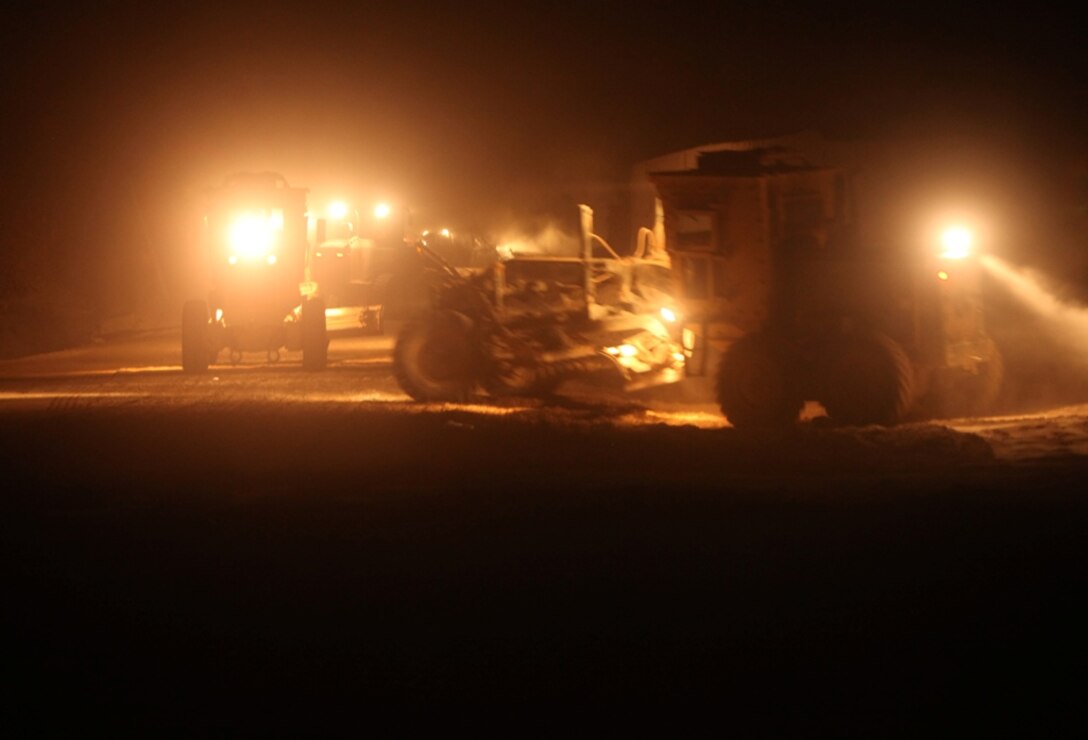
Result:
<point x="364" y="260"/>
<point x="261" y="297"/>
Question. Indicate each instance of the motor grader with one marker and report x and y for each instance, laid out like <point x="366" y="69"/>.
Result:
<point x="782" y="303"/>
<point x="364" y="259"/>
<point x="260" y="296"/>
<point x="526" y="324"/>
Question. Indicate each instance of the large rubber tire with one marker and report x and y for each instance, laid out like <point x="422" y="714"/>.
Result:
<point x="195" y="345"/>
<point x="756" y="385"/>
<point x="315" y="335"/>
<point x="435" y="359"/>
<point x="866" y="379"/>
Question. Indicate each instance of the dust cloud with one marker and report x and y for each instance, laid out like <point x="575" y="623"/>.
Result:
<point x="1065" y="321"/>
<point x="1042" y="335"/>
<point x="547" y="240"/>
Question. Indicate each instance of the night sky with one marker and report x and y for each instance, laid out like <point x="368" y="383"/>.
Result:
<point x="117" y="114"/>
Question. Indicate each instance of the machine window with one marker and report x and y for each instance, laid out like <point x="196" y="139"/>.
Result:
<point x="695" y="231"/>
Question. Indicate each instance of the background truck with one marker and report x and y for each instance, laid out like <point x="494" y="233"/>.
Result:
<point x="782" y="304"/>
<point x="261" y="297"/>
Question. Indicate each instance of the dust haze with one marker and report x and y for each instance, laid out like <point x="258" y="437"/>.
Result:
<point x="1042" y="333"/>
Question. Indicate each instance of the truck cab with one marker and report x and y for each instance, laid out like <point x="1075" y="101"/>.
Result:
<point x="782" y="303"/>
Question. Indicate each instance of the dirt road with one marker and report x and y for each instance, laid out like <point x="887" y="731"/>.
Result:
<point x="264" y="549"/>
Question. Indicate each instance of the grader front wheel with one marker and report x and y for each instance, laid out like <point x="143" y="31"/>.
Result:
<point x="434" y="358"/>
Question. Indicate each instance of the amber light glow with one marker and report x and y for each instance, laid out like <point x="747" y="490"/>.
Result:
<point x="252" y="237"/>
<point x="956" y="243"/>
<point x="338" y="209"/>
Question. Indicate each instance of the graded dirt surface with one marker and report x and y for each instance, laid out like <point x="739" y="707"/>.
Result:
<point x="263" y="550"/>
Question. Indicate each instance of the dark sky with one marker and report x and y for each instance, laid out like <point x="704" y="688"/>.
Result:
<point x="130" y="108"/>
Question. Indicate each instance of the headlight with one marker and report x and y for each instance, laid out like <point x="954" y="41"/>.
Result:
<point x="956" y="242"/>
<point x="252" y="237"/>
<point x="623" y="350"/>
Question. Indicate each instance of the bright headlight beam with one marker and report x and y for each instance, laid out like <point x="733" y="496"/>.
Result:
<point x="338" y="209"/>
<point x="956" y="242"/>
<point x="251" y="237"/>
<point x="247" y="236"/>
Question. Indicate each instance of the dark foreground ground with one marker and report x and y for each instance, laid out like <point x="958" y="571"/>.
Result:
<point x="292" y="569"/>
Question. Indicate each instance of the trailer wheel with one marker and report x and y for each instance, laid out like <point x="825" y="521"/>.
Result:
<point x="866" y="379"/>
<point x="756" y="388"/>
<point x="315" y="335"/>
<point x="196" y="348"/>
<point x="434" y="358"/>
